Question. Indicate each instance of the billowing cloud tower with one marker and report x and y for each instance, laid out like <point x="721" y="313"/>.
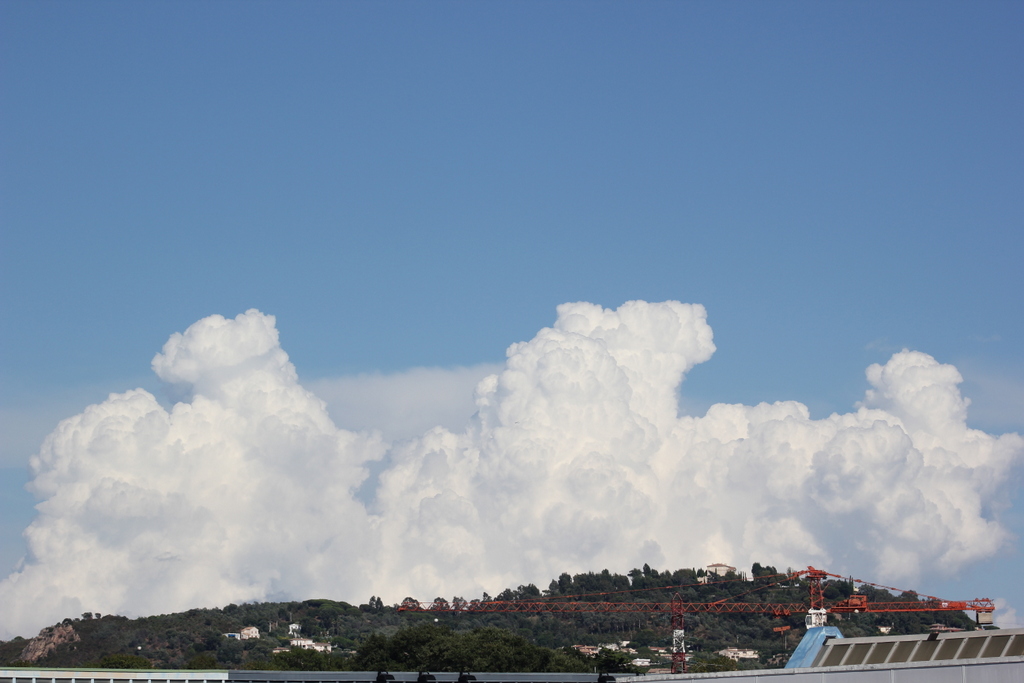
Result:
<point x="242" y="491"/>
<point x="576" y="459"/>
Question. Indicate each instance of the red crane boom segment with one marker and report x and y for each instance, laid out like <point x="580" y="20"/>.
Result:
<point x="677" y="608"/>
<point x="853" y="604"/>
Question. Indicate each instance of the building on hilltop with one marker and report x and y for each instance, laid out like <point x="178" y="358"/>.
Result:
<point x="716" y="570"/>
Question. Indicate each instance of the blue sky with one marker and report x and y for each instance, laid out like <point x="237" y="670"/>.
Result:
<point x="419" y="185"/>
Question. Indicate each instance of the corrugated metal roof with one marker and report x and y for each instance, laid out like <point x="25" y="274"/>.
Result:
<point x="934" y="647"/>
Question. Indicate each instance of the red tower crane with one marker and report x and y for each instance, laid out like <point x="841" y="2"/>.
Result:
<point x="817" y="609"/>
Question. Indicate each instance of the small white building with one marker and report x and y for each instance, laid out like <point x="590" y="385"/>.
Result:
<point x="719" y="569"/>
<point x="249" y="632"/>
<point x="641" y="661"/>
<point x="738" y="653"/>
<point x="308" y="644"/>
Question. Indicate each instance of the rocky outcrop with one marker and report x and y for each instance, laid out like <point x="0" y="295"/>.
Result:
<point x="47" y="641"/>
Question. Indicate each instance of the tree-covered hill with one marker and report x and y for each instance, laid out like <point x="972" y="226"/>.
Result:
<point x="376" y="636"/>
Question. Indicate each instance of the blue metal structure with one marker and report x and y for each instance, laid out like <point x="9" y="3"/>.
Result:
<point x="810" y="644"/>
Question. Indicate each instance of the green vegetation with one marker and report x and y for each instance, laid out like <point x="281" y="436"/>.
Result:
<point x="374" y="636"/>
<point x="203" y="661"/>
<point x="123" y="662"/>
<point x="428" y="647"/>
<point x="708" y="663"/>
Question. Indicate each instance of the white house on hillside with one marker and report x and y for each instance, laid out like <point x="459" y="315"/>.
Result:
<point x="738" y="653"/>
<point x="308" y="644"/>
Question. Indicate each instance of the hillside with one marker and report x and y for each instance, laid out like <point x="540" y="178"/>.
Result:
<point x="368" y="636"/>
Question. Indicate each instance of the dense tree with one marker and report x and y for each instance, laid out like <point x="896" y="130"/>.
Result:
<point x="367" y="633"/>
<point x="708" y="663"/>
<point x="614" y="662"/>
<point x="202" y="661"/>
<point x="124" y="662"/>
<point x="429" y="647"/>
<point x="298" y="659"/>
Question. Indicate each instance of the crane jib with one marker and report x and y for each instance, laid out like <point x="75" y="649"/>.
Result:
<point x="816" y="608"/>
<point x="854" y="604"/>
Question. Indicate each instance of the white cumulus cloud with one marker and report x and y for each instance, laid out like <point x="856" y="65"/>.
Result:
<point x="576" y="458"/>
<point x="1006" y="616"/>
<point x="241" y="493"/>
